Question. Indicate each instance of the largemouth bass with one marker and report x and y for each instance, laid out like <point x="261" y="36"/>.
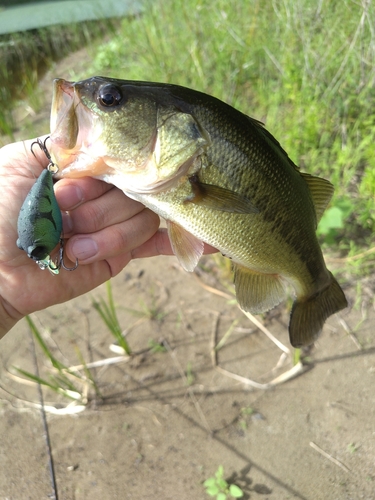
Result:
<point x="216" y="176"/>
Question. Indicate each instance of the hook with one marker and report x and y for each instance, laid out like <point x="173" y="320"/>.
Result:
<point x="47" y="263"/>
<point x="54" y="267"/>
<point x="61" y="258"/>
<point x="52" y="167"/>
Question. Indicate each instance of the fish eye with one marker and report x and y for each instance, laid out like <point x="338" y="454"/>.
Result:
<point x="109" y="96"/>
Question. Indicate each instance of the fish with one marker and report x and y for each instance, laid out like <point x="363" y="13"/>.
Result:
<point x="216" y="175"/>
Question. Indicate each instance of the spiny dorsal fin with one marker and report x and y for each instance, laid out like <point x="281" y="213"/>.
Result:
<point x="321" y="193"/>
<point x="257" y="292"/>
<point x="187" y="248"/>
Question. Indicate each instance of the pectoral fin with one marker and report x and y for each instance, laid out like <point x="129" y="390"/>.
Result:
<point x="218" y="198"/>
<point x="257" y="292"/>
<point x="187" y="248"/>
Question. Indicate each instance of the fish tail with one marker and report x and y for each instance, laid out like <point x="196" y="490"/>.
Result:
<point x="308" y="316"/>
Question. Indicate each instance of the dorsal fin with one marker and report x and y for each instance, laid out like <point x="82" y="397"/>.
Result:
<point x="321" y="193"/>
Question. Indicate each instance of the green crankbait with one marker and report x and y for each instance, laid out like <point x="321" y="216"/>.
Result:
<point x="40" y="223"/>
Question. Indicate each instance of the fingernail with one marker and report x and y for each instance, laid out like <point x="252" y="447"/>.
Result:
<point x="67" y="223"/>
<point x="84" y="248"/>
<point x="69" y="197"/>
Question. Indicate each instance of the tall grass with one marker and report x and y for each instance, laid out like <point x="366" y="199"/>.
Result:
<point x="24" y="57"/>
<point x="305" y="68"/>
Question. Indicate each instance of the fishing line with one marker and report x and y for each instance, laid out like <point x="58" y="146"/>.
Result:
<point x="54" y="495"/>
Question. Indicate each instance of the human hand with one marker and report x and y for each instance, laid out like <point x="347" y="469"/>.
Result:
<point x="104" y="229"/>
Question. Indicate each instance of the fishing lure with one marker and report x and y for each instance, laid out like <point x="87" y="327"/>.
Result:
<point x="40" y="223"/>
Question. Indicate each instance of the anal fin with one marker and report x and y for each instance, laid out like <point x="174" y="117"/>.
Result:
<point x="187" y="248"/>
<point x="257" y="292"/>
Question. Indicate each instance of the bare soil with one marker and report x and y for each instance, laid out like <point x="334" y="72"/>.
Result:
<point x="164" y="421"/>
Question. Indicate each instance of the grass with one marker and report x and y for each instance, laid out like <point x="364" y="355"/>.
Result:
<point x="107" y="312"/>
<point x="77" y="383"/>
<point x="304" y="68"/>
<point x="61" y="379"/>
<point x="25" y="56"/>
<point x="219" y="488"/>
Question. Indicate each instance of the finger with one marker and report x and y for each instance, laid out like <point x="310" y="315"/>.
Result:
<point x="21" y="154"/>
<point x="109" y="209"/>
<point x="70" y="193"/>
<point x="159" y="244"/>
<point x="113" y="240"/>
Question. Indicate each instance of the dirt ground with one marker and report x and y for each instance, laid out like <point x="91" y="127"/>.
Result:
<point x="165" y="421"/>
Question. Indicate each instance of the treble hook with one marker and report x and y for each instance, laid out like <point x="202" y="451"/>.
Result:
<point x="39" y="223"/>
<point x="52" y="167"/>
<point x="61" y="258"/>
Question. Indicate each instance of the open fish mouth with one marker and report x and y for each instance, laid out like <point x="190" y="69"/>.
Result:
<point x="64" y="121"/>
<point x="73" y="128"/>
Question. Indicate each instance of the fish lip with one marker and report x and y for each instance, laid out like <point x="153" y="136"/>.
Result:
<point x="64" y="121"/>
<point x="70" y="124"/>
<point x="65" y="86"/>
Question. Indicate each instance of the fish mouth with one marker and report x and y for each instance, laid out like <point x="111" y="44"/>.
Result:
<point x="63" y="123"/>
<point x="73" y="129"/>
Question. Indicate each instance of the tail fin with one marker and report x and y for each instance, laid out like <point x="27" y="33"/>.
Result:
<point x="308" y="316"/>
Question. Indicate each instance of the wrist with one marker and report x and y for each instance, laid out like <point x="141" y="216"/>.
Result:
<point x="8" y="317"/>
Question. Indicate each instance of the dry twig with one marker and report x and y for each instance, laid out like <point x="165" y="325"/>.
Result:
<point x="330" y="457"/>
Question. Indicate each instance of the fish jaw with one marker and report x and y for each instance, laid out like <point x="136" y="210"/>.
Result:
<point x="129" y="146"/>
<point x="75" y="131"/>
<point x="63" y="121"/>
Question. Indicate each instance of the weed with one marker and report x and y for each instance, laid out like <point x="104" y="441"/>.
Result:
<point x="155" y="346"/>
<point x="24" y="57"/>
<point x="62" y="380"/>
<point x="311" y="80"/>
<point x="352" y="448"/>
<point x="190" y="377"/>
<point x="152" y="312"/>
<point x="218" y="487"/>
<point x="107" y="312"/>
<point x="296" y="355"/>
<point x="247" y="410"/>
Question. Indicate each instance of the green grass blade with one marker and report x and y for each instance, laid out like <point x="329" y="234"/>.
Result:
<point x="107" y="312"/>
<point x="55" y="363"/>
